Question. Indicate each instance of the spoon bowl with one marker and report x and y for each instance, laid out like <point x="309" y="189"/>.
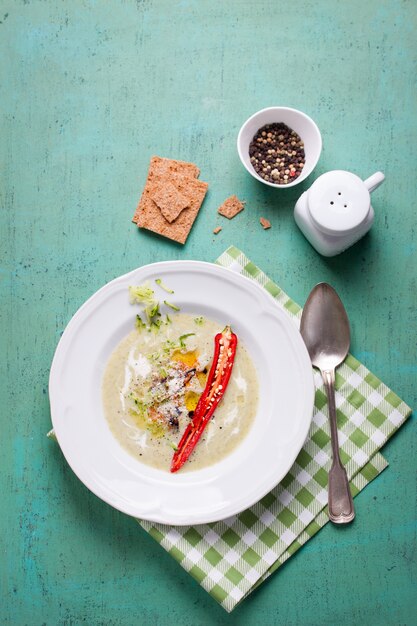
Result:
<point x="325" y="330"/>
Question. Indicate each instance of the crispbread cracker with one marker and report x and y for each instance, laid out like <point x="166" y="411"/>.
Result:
<point x="162" y="166"/>
<point x="159" y="166"/>
<point x="150" y="216"/>
<point x="169" y="200"/>
<point x="231" y="207"/>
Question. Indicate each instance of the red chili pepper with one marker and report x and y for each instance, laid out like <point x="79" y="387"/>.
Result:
<point x="224" y="355"/>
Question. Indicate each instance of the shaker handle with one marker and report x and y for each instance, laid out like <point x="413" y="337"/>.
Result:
<point x="374" y="181"/>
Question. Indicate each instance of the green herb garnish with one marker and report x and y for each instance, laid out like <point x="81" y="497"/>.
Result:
<point x="139" y="323"/>
<point x="143" y="294"/>
<point x="183" y="337"/>
<point x="174" y="307"/>
<point x="155" y="324"/>
<point x="199" y="320"/>
<point x="164" y="287"/>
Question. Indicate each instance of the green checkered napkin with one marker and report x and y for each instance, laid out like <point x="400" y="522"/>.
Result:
<point x="232" y="557"/>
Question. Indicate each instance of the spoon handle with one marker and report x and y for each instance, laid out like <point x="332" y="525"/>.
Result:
<point x="341" y="510"/>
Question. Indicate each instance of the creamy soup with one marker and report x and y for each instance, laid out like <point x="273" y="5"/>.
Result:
<point x="151" y="386"/>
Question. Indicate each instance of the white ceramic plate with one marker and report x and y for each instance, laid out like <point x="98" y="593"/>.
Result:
<point x="249" y="472"/>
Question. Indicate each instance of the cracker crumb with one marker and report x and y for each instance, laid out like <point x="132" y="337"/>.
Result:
<point x="265" y="223"/>
<point x="217" y="230"/>
<point x="231" y="207"/>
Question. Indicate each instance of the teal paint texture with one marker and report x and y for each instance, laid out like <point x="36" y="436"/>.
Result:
<point x="89" y="91"/>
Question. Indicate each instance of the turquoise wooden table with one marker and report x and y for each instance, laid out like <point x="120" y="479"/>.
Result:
<point x="90" y="91"/>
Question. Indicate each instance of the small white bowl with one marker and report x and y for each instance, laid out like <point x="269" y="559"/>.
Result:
<point x="296" y="120"/>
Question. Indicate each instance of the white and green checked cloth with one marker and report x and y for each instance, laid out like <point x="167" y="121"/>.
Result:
<point x="232" y="557"/>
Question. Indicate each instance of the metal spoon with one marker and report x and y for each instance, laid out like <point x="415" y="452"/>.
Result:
<point x="325" y="330"/>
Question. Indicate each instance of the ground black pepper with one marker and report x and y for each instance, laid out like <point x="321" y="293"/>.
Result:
<point x="277" y="153"/>
<point x="173" y="421"/>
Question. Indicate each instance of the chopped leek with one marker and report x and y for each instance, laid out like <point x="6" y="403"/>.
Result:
<point x="143" y="294"/>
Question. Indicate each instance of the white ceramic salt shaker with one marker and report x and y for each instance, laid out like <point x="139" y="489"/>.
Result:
<point x="336" y="211"/>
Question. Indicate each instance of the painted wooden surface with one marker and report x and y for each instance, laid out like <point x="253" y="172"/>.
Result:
<point x="89" y="91"/>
